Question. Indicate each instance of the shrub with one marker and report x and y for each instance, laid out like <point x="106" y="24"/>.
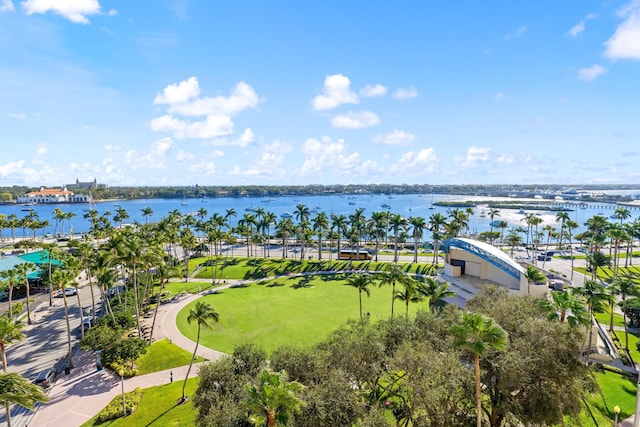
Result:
<point x="115" y="410"/>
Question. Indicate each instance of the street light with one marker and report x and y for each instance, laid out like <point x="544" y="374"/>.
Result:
<point x="616" y="410"/>
<point x="124" y="404"/>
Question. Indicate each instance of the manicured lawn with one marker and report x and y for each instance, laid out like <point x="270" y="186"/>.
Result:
<point x="615" y="389"/>
<point x="604" y="318"/>
<point x="163" y="355"/>
<point x="159" y="408"/>
<point x="288" y="311"/>
<point x="248" y="268"/>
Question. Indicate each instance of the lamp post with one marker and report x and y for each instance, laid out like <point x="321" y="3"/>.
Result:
<point x="616" y="410"/>
<point x="124" y="404"/>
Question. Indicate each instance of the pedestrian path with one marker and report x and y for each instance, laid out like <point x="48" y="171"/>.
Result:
<point x="81" y="395"/>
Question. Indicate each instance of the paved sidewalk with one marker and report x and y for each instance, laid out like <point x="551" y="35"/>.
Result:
<point x="79" y="396"/>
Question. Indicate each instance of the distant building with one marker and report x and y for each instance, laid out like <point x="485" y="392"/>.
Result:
<point x="53" y="195"/>
<point x="83" y="185"/>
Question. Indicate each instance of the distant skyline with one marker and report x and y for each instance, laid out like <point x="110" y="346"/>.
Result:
<point x="185" y="92"/>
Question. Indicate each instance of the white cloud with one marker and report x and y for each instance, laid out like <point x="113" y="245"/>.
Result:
<point x="577" y="29"/>
<point x="336" y="91"/>
<point x="211" y="127"/>
<point x="325" y="156"/>
<point x="41" y="150"/>
<point x="370" y="91"/>
<point x="111" y="147"/>
<point x="178" y="92"/>
<point x="161" y="147"/>
<point x="475" y="156"/>
<point x="517" y="34"/>
<point x="424" y="161"/>
<point x="74" y="10"/>
<point x="278" y="146"/>
<point x="242" y="97"/>
<point x="513" y="158"/>
<point x="396" y="137"/>
<point x="246" y="138"/>
<point x="267" y="165"/>
<point x="6" y="6"/>
<point x="15" y="170"/>
<point x="183" y="99"/>
<point x="625" y="42"/>
<point x="405" y="93"/>
<point x="112" y="12"/>
<point x="19" y="116"/>
<point x="355" y="120"/>
<point x="183" y="156"/>
<point x="591" y="73"/>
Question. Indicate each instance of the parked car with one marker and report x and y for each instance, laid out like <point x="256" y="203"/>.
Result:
<point x="69" y="291"/>
<point x="45" y="378"/>
<point x="4" y="295"/>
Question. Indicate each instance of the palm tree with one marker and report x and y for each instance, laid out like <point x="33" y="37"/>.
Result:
<point x="146" y="213"/>
<point x="320" y="226"/>
<point x="459" y="221"/>
<point x="397" y="224"/>
<point x="360" y="281"/>
<point x="478" y="334"/>
<point x="274" y="397"/>
<point x="378" y="225"/>
<point x="562" y="217"/>
<point x="15" y="389"/>
<point x="622" y="213"/>
<point x="617" y="235"/>
<point x="392" y="276"/>
<point x="571" y="225"/>
<point x="418" y="225"/>
<point x="436" y="222"/>
<point x="436" y="291"/>
<point x="626" y="286"/>
<point x="339" y="225"/>
<point x="594" y="297"/>
<point x="23" y="271"/>
<point x="284" y="229"/>
<point x="408" y="294"/>
<point x="493" y="212"/>
<point x="565" y="306"/>
<point x="10" y="331"/>
<point x="11" y="279"/>
<point x="203" y="313"/>
<point x="533" y="275"/>
<point x="551" y="232"/>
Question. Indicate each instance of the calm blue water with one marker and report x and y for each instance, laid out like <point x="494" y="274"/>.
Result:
<point x="406" y="205"/>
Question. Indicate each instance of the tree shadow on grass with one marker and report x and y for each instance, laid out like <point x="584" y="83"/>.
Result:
<point x="305" y="282"/>
<point x="274" y="284"/>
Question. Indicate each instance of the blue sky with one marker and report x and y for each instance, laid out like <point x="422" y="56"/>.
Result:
<point x="184" y="92"/>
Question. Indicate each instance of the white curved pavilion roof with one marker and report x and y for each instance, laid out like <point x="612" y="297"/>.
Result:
<point x="487" y="252"/>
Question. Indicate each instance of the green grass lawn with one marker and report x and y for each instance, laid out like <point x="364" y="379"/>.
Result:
<point x="163" y="355"/>
<point x="249" y="268"/>
<point x="287" y="311"/>
<point x="615" y="389"/>
<point x="604" y="319"/>
<point x="158" y="408"/>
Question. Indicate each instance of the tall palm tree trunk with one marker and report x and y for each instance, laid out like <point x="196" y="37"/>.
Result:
<point x="195" y="351"/>
<point x="66" y="317"/>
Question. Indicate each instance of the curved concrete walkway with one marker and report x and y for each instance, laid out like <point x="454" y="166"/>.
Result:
<point x="79" y="396"/>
